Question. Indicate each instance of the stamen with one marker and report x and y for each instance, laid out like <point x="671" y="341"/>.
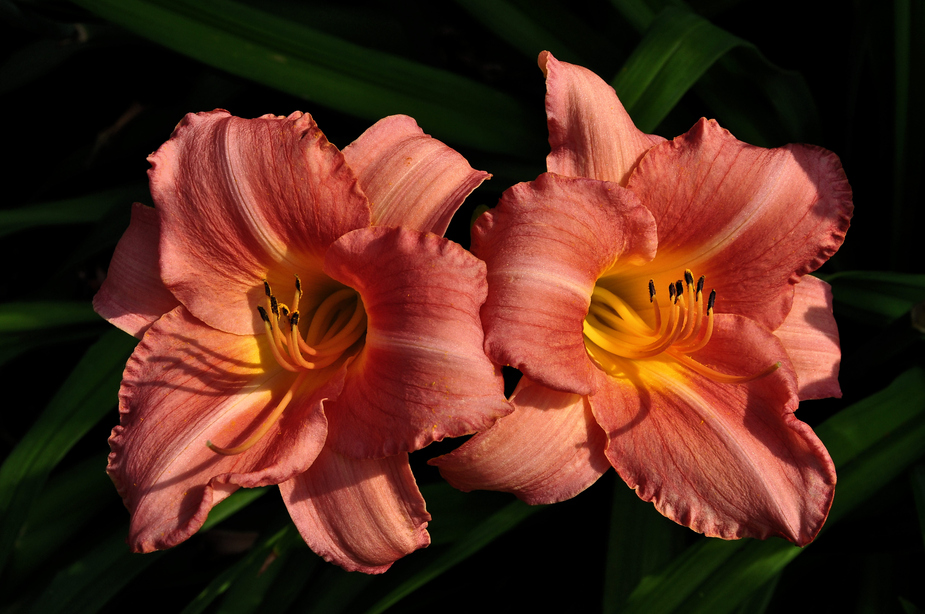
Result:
<point x="275" y="346"/>
<point x="716" y="376"/>
<point x="271" y="420"/>
<point x="613" y="330"/>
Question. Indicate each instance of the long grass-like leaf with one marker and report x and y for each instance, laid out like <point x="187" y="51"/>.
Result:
<point x="297" y="59"/>
<point x="679" y="48"/>
<point x="84" y="398"/>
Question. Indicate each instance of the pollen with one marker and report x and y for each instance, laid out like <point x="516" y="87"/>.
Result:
<point x="615" y="332"/>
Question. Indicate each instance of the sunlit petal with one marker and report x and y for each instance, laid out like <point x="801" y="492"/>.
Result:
<point x="133" y="296"/>
<point x="411" y="179"/>
<point x="187" y="384"/>
<point x="360" y="514"/>
<point x="422" y="374"/>
<point x="548" y="450"/>
<point x="810" y="336"/>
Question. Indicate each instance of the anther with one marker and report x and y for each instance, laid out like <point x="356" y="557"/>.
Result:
<point x="266" y="288"/>
<point x="274" y="306"/>
<point x="672" y="293"/>
<point x="651" y="290"/>
<point x="712" y="300"/>
<point x="294" y="319"/>
<point x="700" y="283"/>
<point x="263" y="314"/>
<point x="678" y="288"/>
<point x="688" y="277"/>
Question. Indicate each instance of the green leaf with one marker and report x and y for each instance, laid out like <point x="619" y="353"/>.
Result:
<point x="917" y="477"/>
<point x="88" y="584"/>
<point x="246" y="583"/>
<point x="82" y="210"/>
<point x="483" y="534"/>
<point x="636" y="553"/>
<point x="875" y="297"/>
<point x="65" y="506"/>
<point x="756" y="100"/>
<point x="297" y="59"/>
<point x="677" y="51"/>
<point x="231" y="505"/>
<point x="41" y="315"/>
<point x="518" y="29"/>
<point x="88" y="394"/>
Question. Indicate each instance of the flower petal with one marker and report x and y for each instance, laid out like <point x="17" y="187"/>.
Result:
<point x="726" y="460"/>
<point x="422" y="374"/>
<point x="187" y="384"/>
<point x="360" y="514"/>
<point x="749" y="219"/>
<point x="411" y="179"/>
<point x="243" y="200"/>
<point x="545" y="244"/>
<point x="810" y="336"/>
<point x="548" y="450"/>
<point x="133" y="296"/>
<point x="590" y="132"/>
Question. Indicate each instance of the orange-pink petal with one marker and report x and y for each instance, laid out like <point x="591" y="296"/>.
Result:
<point x="243" y="200"/>
<point x="360" y="514"/>
<point x="752" y="220"/>
<point x="548" y="450"/>
<point x="422" y="374"/>
<point x="810" y="336"/>
<point x="726" y="460"/>
<point x="187" y="384"/>
<point x="545" y="244"/>
<point x="590" y="133"/>
<point x="411" y="179"/>
<point x="133" y="296"/>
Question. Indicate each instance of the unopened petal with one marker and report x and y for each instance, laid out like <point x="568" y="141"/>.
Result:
<point x="422" y="374"/>
<point x="590" y="133"/>
<point x="187" y="384"/>
<point x="810" y="336"/>
<point x="133" y="296"/>
<point x="360" y="514"/>
<point x="726" y="460"/>
<point x="548" y="450"/>
<point x="752" y="220"/>
<point x="246" y="200"/>
<point x="411" y="179"/>
<point x="546" y="244"/>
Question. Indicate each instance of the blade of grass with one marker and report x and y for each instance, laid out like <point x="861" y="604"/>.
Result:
<point x="518" y="29"/>
<point x="41" y="315"/>
<point x="82" y="210"/>
<point x="84" y="398"/>
<point x="297" y="59"/>
<point x="678" y="49"/>
<point x="487" y="531"/>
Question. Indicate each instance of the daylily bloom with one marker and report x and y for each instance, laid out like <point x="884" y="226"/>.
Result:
<point x="301" y="324"/>
<point x="599" y="277"/>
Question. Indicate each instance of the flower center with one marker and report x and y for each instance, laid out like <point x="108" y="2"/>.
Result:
<point x="305" y="345"/>
<point x="614" y="331"/>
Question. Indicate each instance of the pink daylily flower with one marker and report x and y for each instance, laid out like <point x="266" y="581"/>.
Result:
<point x="599" y="275"/>
<point x="302" y="323"/>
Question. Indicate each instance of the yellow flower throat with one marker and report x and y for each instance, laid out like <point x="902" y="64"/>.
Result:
<point x="615" y="332"/>
<point x="336" y="324"/>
